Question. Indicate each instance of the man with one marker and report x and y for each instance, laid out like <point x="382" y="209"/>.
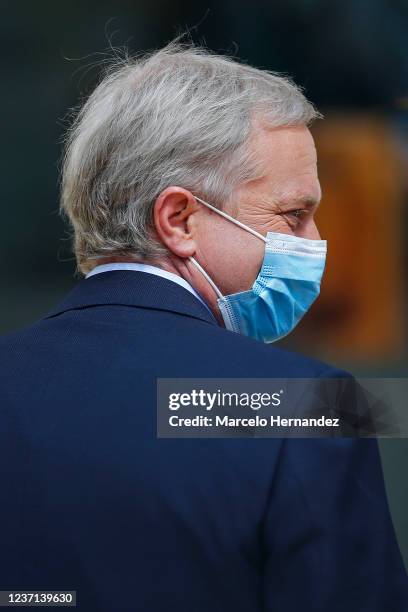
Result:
<point x="191" y="185"/>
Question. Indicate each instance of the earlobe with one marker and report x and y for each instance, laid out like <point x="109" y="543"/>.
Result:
<point x="172" y="214"/>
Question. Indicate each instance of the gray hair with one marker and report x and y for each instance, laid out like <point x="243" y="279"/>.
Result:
<point x="178" y="116"/>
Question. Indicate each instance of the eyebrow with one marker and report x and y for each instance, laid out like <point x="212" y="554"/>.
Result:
<point x="307" y="201"/>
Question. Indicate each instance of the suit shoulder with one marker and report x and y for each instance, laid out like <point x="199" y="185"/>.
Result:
<point x="20" y="340"/>
<point x="252" y="350"/>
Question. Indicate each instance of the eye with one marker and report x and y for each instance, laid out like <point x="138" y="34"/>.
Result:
<point x="297" y="213"/>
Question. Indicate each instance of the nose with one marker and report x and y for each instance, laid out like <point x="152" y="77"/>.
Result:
<point x="313" y="232"/>
<point x="309" y="231"/>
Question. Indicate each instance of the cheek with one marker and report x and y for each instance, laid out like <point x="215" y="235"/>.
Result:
<point x="245" y="263"/>
<point x="280" y="224"/>
<point x="235" y="261"/>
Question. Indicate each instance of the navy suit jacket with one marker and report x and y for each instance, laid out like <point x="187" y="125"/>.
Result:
<point x="91" y="500"/>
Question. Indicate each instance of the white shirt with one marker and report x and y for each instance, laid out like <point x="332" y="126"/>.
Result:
<point x="139" y="267"/>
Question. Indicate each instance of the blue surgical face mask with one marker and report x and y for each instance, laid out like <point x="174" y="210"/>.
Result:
<point x="285" y="288"/>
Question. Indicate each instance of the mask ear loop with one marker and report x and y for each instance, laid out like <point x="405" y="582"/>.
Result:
<point x="204" y="273"/>
<point x="242" y="225"/>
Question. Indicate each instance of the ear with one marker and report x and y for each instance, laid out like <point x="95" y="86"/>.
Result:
<point x="173" y="210"/>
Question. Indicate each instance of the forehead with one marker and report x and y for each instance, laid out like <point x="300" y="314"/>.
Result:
<point x="287" y="161"/>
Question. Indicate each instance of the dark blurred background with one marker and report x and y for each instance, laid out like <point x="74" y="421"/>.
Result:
<point x="351" y="56"/>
